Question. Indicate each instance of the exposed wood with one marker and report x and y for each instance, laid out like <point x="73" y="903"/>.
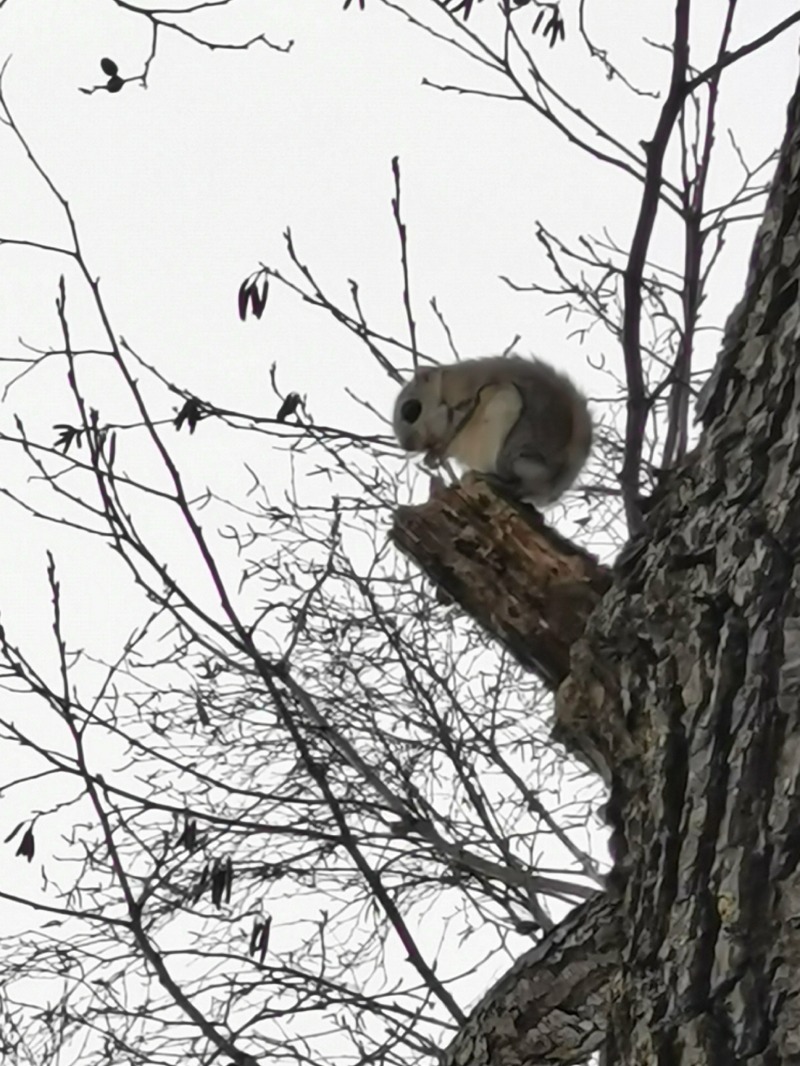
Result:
<point x="530" y="588"/>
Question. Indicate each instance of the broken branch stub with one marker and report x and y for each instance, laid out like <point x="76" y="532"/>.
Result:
<point x="527" y="586"/>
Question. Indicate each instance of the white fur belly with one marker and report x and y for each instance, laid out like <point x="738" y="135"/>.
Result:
<point x="479" y="442"/>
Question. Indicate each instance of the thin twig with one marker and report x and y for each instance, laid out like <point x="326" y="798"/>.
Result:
<point x="401" y="230"/>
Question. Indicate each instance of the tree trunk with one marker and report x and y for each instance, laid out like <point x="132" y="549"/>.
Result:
<point x="702" y="634"/>
<point x="684" y="691"/>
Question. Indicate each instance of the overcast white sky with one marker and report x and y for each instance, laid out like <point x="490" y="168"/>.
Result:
<point x="181" y="189"/>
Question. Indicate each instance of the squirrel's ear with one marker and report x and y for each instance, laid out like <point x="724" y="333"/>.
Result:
<point x="435" y="379"/>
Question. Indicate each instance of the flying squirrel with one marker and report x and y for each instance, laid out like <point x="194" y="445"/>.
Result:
<point x="517" y="421"/>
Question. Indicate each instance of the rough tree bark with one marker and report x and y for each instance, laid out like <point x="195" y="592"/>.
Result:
<point x="550" y="1007"/>
<point x="685" y="692"/>
<point x="702" y="632"/>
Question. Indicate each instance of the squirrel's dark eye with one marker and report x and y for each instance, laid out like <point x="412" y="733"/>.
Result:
<point x="411" y="410"/>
